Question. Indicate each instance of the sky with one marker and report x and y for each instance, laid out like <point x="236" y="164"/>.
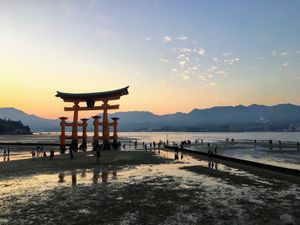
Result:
<point x="175" y="55"/>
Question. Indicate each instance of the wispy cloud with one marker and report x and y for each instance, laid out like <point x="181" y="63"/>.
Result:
<point x="275" y="53"/>
<point x="285" y="64"/>
<point x="148" y="38"/>
<point x="284" y="53"/>
<point x="167" y="39"/>
<point x="259" y="58"/>
<point x="231" y="61"/>
<point x="226" y="54"/>
<point x="163" y="60"/>
<point x="212" y="84"/>
<point x="185" y="77"/>
<point x="200" y="51"/>
<point x="183" y="38"/>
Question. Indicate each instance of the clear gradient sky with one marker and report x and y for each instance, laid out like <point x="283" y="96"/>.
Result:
<point x="175" y="55"/>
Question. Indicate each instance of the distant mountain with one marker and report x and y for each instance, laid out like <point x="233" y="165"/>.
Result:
<point x="220" y="118"/>
<point x="35" y="123"/>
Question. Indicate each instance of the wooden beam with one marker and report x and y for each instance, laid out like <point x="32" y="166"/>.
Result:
<point x="92" y="108"/>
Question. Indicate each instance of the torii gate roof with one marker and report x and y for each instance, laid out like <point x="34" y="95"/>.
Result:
<point x="95" y="96"/>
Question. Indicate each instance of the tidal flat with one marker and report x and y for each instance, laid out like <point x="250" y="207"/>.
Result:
<point x="144" y="187"/>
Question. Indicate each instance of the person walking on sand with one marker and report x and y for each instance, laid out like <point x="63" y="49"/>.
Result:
<point x="71" y="154"/>
<point x="4" y="155"/>
<point x="52" y="154"/>
<point x="216" y="148"/>
<point x="33" y="154"/>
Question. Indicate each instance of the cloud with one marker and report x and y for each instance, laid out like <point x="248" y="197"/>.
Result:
<point x="148" y="38"/>
<point x="212" y="84"/>
<point x="285" y="64"/>
<point x="180" y="56"/>
<point x="274" y="53"/>
<point x="106" y="34"/>
<point x="226" y="54"/>
<point x="221" y="73"/>
<point x="183" y="50"/>
<point x="259" y="58"/>
<point x="183" y="38"/>
<point x="216" y="60"/>
<point x="163" y="60"/>
<point x="231" y="61"/>
<point x="167" y="39"/>
<point x="182" y="63"/>
<point x="185" y="77"/>
<point x="283" y="53"/>
<point x="174" y="70"/>
<point x="212" y="68"/>
<point x="200" y="51"/>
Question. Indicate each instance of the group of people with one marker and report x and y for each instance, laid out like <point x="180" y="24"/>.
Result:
<point x="6" y="154"/>
<point x="38" y="152"/>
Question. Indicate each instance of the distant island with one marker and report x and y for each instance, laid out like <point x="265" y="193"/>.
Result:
<point x="13" y="127"/>
<point x="282" y="117"/>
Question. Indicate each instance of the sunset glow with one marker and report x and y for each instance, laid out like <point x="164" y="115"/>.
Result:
<point x="174" y="55"/>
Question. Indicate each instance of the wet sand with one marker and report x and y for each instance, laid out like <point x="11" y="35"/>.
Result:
<point x="141" y="187"/>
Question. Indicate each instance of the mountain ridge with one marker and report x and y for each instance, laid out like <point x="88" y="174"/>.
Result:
<point x="253" y="117"/>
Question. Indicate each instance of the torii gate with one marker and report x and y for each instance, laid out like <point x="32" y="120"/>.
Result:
<point x="90" y="99"/>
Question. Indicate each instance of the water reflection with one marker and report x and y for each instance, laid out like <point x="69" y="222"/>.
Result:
<point x="95" y="176"/>
<point x="212" y="165"/>
<point x="61" y="177"/>
<point x="74" y="177"/>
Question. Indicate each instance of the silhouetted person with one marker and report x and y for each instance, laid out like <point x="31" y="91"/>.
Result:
<point x="4" y="155"/>
<point x="8" y="152"/>
<point x="298" y="146"/>
<point x="71" y="154"/>
<point x="33" y="153"/>
<point x="279" y="142"/>
<point x="52" y="154"/>
<point x="216" y="149"/>
<point x="45" y="154"/>
<point x="124" y="146"/>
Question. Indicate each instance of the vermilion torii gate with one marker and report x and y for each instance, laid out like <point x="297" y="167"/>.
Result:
<point x="90" y="99"/>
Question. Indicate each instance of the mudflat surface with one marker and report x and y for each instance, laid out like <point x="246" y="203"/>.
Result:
<point x="141" y="187"/>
